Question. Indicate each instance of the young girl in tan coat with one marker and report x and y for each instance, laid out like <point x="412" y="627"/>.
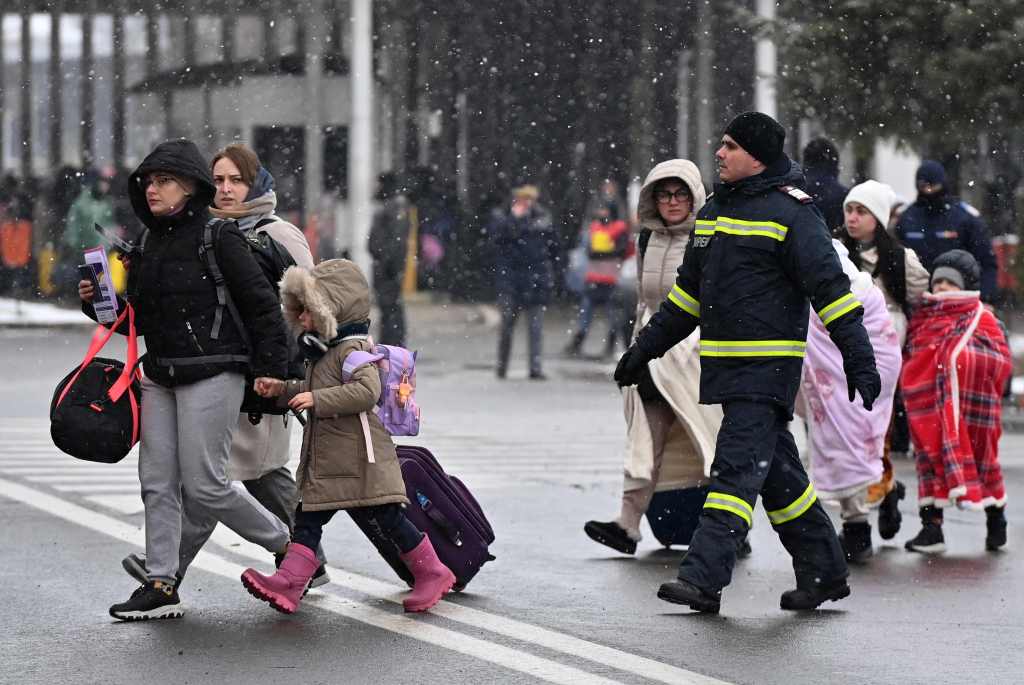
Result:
<point x="348" y="459"/>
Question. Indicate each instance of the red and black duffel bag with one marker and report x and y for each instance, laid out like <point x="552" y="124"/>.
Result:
<point x="95" y="410"/>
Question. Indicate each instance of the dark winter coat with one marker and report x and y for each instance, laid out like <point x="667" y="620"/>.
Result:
<point x="823" y="185"/>
<point x="935" y="225"/>
<point x="175" y="298"/>
<point x="759" y="251"/>
<point x="389" y="237"/>
<point x="525" y="250"/>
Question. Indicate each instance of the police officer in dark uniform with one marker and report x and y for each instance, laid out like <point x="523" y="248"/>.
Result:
<point x="938" y="222"/>
<point x="758" y="253"/>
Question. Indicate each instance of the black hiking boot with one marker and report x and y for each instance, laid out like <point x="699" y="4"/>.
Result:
<point x="856" y="542"/>
<point x="808" y="599"/>
<point x="995" y="526"/>
<point x="610" y="534"/>
<point x="930" y="540"/>
<point x="152" y="599"/>
<point x="889" y="516"/>
<point x="683" y="592"/>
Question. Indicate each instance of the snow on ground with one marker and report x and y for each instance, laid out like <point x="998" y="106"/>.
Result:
<point x="25" y="313"/>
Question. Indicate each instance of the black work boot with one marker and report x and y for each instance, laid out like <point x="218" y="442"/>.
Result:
<point x="889" y="516"/>
<point x="930" y="540"/>
<point x="680" y="591"/>
<point x="807" y="599"/>
<point x="995" y="526"/>
<point x="610" y="534"/>
<point x="856" y="541"/>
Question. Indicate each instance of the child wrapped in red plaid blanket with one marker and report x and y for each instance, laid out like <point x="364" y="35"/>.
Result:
<point x="957" y="363"/>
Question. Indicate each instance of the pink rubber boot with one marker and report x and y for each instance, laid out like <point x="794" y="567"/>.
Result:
<point x="284" y="589"/>
<point x="433" y="579"/>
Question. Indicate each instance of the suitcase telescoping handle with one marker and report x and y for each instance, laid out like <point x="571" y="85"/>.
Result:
<point x="100" y="338"/>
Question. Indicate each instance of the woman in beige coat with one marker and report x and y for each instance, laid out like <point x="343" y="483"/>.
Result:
<point x="671" y="437"/>
<point x="348" y="459"/>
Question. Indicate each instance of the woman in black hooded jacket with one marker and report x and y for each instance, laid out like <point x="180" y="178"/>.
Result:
<point x="195" y="365"/>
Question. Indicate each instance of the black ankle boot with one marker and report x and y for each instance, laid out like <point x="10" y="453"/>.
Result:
<point x="889" y="516"/>
<point x="682" y="592"/>
<point x="856" y="541"/>
<point x="807" y="599"/>
<point x="995" y="526"/>
<point x="930" y="540"/>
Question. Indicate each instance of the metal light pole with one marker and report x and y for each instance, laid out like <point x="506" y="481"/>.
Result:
<point x="361" y="133"/>
<point x="765" y="99"/>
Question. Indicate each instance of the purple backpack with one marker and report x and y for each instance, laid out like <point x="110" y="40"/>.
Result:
<point x="396" y="406"/>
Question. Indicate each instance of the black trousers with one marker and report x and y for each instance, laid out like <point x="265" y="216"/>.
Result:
<point x="756" y="455"/>
<point x="387" y="521"/>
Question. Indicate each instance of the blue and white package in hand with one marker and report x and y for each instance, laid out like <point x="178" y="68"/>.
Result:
<point x="105" y="301"/>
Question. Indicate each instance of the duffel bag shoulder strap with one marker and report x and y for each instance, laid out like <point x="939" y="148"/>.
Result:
<point x="100" y="337"/>
<point x="131" y="361"/>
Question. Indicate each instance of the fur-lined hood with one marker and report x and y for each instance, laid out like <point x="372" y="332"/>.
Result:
<point x="335" y="292"/>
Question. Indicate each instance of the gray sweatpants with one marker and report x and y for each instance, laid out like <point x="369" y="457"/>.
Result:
<point x="186" y="440"/>
<point x="275" y="490"/>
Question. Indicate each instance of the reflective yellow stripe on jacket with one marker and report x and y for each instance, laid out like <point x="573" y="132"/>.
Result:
<point x="844" y="305"/>
<point x="752" y="348"/>
<point x="795" y="509"/>
<point x="741" y="227"/>
<point x="684" y="301"/>
<point x="730" y="503"/>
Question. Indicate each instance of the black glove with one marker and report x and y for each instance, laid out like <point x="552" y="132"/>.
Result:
<point x="630" y="367"/>
<point x="864" y="379"/>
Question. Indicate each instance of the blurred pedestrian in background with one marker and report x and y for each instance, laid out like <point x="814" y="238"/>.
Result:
<point x="526" y="247"/>
<point x="821" y="168"/>
<point x="938" y="222"/>
<point x="608" y="245"/>
<point x="388" y="247"/>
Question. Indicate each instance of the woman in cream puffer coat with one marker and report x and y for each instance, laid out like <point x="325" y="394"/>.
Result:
<point x="671" y="437"/>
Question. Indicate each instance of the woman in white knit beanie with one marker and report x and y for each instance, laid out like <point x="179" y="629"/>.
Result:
<point x="895" y="269"/>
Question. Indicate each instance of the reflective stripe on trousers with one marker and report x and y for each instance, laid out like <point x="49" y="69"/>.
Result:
<point x="795" y="509"/>
<point x="731" y="504"/>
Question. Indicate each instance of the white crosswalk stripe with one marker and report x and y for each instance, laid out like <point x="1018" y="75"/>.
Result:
<point x="481" y="461"/>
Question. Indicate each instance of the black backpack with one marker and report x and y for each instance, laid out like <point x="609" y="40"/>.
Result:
<point x="273" y="260"/>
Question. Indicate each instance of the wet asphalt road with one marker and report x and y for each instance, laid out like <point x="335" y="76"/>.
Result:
<point x="554" y="607"/>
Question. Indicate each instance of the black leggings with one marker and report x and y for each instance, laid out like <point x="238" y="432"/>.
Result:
<point x="388" y="520"/>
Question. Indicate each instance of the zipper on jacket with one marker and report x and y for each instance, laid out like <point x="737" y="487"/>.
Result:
<point x="195" y="340"/>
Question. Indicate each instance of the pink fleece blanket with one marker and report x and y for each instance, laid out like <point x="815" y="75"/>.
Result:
<point x="846" y="441"/>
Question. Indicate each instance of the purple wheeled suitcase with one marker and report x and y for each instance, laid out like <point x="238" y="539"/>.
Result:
<point x="441" y="506"/>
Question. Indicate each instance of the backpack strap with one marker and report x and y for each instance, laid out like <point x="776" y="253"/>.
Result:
<point x="356" y="359"/>
<point x="208" y="251"/>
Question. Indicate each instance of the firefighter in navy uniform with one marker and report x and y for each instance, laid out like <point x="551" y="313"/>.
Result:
<point x="758" y="253"/>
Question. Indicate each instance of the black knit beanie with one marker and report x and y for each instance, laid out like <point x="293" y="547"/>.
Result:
<point x="758" y="134"/>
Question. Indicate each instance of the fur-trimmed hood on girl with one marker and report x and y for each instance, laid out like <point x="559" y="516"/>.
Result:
<point x="334" y="292"/>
